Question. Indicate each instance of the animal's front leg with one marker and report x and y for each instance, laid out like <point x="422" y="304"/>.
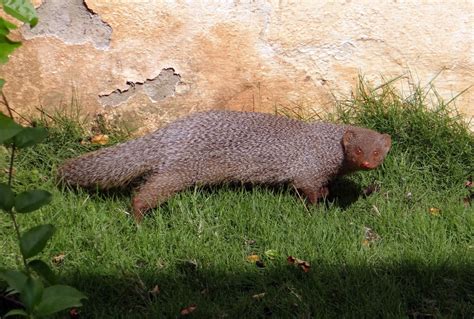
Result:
<point x="312" y="191"/>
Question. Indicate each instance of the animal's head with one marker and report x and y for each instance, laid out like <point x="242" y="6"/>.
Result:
<point x="364" y="148"/>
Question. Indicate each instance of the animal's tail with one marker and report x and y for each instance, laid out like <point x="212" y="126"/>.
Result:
<point x="106" y="168"/>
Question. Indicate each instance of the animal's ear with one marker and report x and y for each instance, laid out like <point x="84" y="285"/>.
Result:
<point x="348" y="137"/>
<point x="387" y="140"/>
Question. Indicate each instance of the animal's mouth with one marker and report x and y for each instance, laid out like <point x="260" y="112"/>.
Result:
<point x="367" y="165"/>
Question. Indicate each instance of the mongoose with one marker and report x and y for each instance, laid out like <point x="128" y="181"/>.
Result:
<point x="223" y="146"/>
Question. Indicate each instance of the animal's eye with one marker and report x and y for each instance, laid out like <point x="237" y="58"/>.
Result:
<point x="376" y="153"/>
<point x="358" y="151"/>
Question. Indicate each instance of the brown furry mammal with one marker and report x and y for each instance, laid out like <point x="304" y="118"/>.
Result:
<point x="218" y="146"/>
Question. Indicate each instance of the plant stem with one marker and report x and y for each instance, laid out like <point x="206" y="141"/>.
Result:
<point x="10" y="168"/>
<point x="5" y="101"/>
<point x="17" y="230"/>
<point x="10" y="178"/>
<point x="12" y="214"/>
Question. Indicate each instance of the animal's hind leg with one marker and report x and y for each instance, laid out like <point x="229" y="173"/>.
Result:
<point x="157" y="189"/>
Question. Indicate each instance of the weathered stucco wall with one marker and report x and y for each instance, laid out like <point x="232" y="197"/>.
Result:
<point x="151" y="61"/>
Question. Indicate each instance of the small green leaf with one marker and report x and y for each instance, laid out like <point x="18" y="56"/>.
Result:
<point x="59" y="297"/>
<point x="15" y="279"/>
<point x="32" y="293"/>
<point x="272" y="254"/>
<point x="29" y="201"/>
<point x="7" y="197"/>
<point x="30" y="136"/>
<point x="42" y="269"/>
<point x="7" y="46"/>
<point x="23" y="10"/>
<point x="8" y="128"/>
<point x="35" y="239"/>
<point x="16" y="312"/>
<point x="6" y="26"/>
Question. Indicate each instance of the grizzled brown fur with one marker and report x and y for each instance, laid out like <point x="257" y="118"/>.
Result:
<point x="219" y="146"/>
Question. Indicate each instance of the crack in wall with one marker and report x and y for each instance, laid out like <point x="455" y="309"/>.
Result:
<point x="72" y="22"/>
<point x="157" y="89"/>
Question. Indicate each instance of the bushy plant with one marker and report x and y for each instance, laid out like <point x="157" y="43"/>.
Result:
<point x="34" y="282"/>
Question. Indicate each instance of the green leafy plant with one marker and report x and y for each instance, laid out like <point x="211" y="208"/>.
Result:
<point x="36" y="299"/>
<point x="21" y="10"/>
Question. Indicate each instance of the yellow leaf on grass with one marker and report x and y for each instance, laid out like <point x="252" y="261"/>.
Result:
<point x="100" y="139"/>
<point x="58" y="259"/>
<point x="253" y="258"/>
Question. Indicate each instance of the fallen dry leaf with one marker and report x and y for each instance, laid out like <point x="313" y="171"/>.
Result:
<point x="73" y="313"/>
<point x="435" y="211"/>
<point x="100" y="139"/>
<point x="189" y="265"/>
<point x="259" y="296"/>
<point x="155" y="291"/>
<point x="468" y="200"/>
<point x="302" y="264"/>
<point x="469" y="183"/>
<point x="250" y="242"/>
<point x="370" y="236"/>
<point x="376" y="210"/>
<point x="372" y="188"/>
<point x="188" y="310"/>
<point x="305" y="266"/>
<point x="253" y="258"/>
<point x="58" y="259"/>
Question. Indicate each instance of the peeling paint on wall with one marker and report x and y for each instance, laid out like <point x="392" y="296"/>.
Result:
<point x="240" y="55"/>
<point x="157" y="89"/>
<point x="72" y="22"/>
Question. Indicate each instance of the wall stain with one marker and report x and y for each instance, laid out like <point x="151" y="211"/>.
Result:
<point x="157" y="89"/>
<point x="72" y="22"/>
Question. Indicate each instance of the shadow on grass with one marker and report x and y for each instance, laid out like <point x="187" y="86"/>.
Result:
<point x="282" y="291"/>
<point x="343" y="192"/>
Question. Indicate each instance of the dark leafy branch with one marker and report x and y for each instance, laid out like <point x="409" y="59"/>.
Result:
<point x="28" y="282"/>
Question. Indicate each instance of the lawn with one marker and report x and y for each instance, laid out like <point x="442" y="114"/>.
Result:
<point x="396" y="242"/>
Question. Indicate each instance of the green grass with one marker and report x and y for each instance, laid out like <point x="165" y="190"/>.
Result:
<point x="195" y="247"/>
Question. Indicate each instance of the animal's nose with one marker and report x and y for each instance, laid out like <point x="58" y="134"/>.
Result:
<point x="365" y="164"/>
